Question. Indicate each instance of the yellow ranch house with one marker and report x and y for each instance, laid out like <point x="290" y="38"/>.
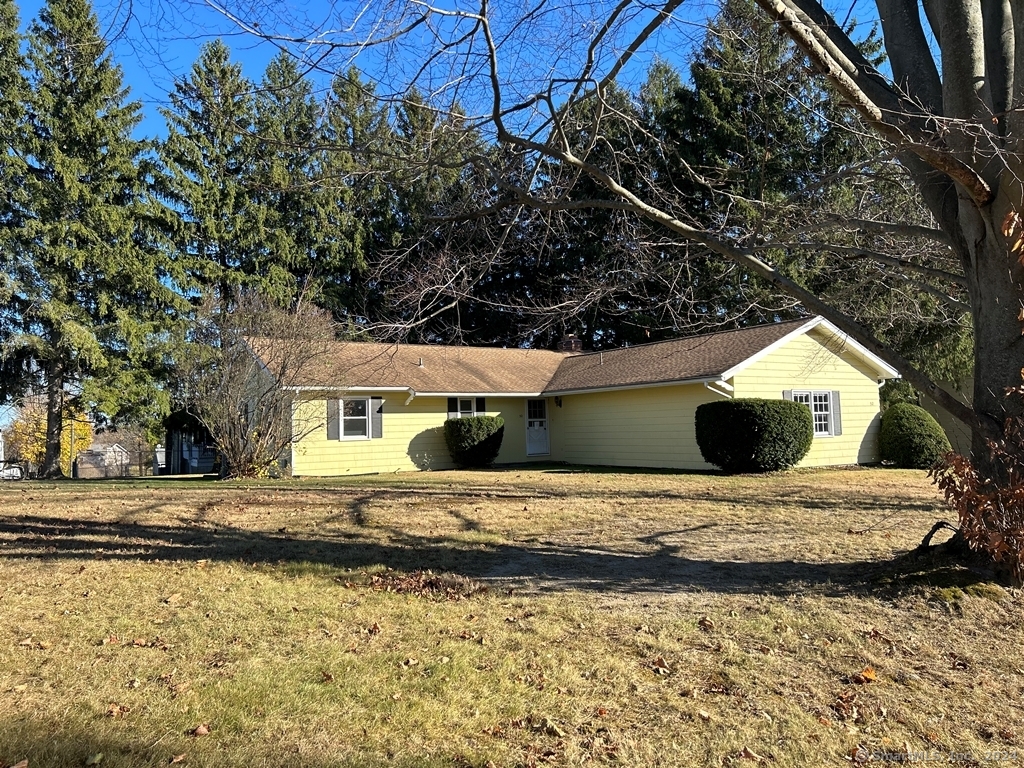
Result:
<point x="385" y="405"/>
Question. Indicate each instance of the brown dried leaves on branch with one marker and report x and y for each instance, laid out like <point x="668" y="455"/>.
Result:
<point x="1013" y="231"/>
<point x="990" y="503"/>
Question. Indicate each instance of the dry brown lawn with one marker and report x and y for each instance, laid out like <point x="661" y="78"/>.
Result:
<point x="570" y="617"/>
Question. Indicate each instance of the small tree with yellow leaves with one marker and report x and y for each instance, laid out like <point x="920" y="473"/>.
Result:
<point x="25" y="438"/>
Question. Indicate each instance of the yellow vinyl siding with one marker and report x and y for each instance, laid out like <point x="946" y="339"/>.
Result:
<point x="816" y="362"/>
<point x="413" y="437"/>
<point x="513" y="445"/>
<point x="650" y="427"/>
<point x="642" y="427"/>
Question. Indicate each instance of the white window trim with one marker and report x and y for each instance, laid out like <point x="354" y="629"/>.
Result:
<point x="810" y="394"/>
<point x="459" y="414"/>
<point x="341" y="420"/>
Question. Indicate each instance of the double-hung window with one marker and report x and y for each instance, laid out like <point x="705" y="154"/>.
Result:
<point x="824" y="407"/>
<point x="355" y="418"/>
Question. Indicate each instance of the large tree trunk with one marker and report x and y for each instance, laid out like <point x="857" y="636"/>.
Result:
<point x="54" y="422"/>
<point x="995" y="280"/>
<point x="998" y="347"/>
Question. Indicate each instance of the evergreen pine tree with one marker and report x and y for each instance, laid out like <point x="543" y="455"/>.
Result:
<point x="86" y="293"/>
<point x="311" y="229"/>
<point x="14" y="361"/>
<point x="217" y="231"/>
<point x="359" y="154"/>
<point x="753" y="145"/>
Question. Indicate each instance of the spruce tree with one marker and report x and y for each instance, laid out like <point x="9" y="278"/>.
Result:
<point x="311" y="231"/>
<point x="86" y="292"/>
<point x="14" y="361"/>
<point x="358" y="160"/>
<point x="217" y="232"/>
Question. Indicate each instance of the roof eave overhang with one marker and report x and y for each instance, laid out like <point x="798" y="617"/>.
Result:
<point x="719" y="380"/>
<point x="884" y="370"/>
<point x="454" y="393"/>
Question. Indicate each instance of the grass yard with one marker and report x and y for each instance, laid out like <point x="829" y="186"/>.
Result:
<point x="571" y="617"/>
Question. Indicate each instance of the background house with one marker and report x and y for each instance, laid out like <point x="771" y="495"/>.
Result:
<point x="188" y="447"/>
<point x="124" y="453"/>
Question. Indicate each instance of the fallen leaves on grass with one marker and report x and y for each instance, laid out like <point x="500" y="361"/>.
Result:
<point x="659" y="667"/>
<point x="748" y="754"/>
<point x="203" y="729"/>
<point x="548" y="726"/>
<point x="865" y="676"/>
<point x="177" y="758"/>
<point x="117" y="710"/>
<point x="845" y="705"/>
<point x="426" y="584"/>
<point x="959" y="662"/>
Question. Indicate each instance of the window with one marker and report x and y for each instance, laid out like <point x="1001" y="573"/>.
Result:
<point x="824" y="406"/>
<point x="355" y="418"/>
<point x="464" y="407"/>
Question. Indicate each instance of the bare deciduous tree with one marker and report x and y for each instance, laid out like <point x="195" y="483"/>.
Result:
<point x="949" y="114"/>
<point x="235" y="376"/>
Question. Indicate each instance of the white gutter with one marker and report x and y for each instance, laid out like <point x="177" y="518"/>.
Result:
<point x="412" y="393"/>
<point x="647" y="385"/>
<point x="329" y="388"/>
<point x="481" y="394"/>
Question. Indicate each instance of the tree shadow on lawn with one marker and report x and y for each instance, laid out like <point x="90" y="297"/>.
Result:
<point x="658" y="563"/>
<point x="70" y="743"/>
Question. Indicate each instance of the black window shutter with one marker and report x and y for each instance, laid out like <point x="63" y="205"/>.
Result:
<point x="333" y="420"/>
<point x="836" y="413"/>
<point x="481" y="405"/>
<point x="453" y="407"/>
<point x="787" y="394"/>
<point x="376" y="417"/>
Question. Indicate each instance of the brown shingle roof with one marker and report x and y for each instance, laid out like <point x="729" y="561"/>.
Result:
<point x="697" y="357"/>
<point x="488" y="370"/>
<point x="453" y="370"/>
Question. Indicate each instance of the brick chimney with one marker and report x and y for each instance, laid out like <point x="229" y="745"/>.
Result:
<point x="570" y="343"/>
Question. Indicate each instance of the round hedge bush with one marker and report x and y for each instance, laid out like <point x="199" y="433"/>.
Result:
<point x="753" y="434"/>
<point x="910" y="437"/>
<point x="475" y="440"/>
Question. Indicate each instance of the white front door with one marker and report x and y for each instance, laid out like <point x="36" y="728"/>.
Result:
<point x="537" y="428"/>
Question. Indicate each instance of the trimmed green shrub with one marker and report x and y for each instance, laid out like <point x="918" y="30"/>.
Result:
<point x="753" y="434"/>
<point x="474" y="441"/>
<point x="910" y="437"/>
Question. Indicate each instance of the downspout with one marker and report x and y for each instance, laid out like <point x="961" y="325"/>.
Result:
<point x="411" y="397"/>
<point x="725" y="391"/>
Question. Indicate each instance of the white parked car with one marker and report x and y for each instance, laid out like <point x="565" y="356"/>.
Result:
<point x="11" y="471"/>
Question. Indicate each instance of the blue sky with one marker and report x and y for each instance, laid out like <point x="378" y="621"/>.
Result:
<point x="155" y="41"/>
